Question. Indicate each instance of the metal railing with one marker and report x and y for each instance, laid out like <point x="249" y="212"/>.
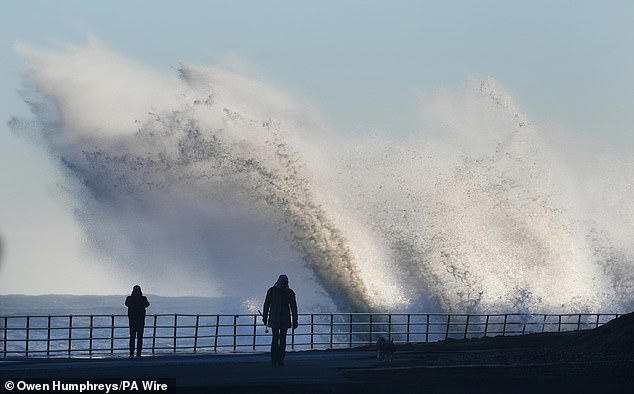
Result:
<point x="108" y="335"/>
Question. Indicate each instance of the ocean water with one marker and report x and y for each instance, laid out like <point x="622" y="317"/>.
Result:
<point x="210" y="181"/>
<point x="54" y="304"/>
<point x="107" y="310"/>
<point x="97" y="326"/>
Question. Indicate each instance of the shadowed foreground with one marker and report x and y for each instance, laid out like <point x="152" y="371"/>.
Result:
<point x="599" y="361"/>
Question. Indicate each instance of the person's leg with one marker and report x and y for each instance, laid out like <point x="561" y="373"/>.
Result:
<point x="282" y="352"/>
<point x="139" y="336"/>
<point x="275" y="344"/>
<point x="132" y="337"/>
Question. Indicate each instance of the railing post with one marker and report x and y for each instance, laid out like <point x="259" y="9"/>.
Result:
<point x="331" y="328"/>
<point x="112" y="335"/>
<point x="154" y="335"/>
<point x="216" y="336"/>
<point x="597" y="323"/>
<point x="90" y="338"/>
<point x="544" y="323"/>
<point x="579" y="322"/>
<point x="559" y="324"/>
<point x="312" y="329"/>
<point x="447" y="328"/>
<point x="293" y="338"/>
<point x="48" y="337"/>
<point x="255" y="323"/>
<point x="466" y="327"/>
<point x="196" y="334"/>
<point x="427" y="328"/>
<point x="6" y="330"/>
<point x="486" y="325"/>
<point x="408" y="319"/>
<point x="175" y="325"/>
<point x="350" y="337"/>
<point x="389" y="326"/>
<point x="235" y="321"/>
<point x="370" y="329"/>
<point x="70" y="333"/>
<point x="504" y="326"/>
<point x="28" y="330"/>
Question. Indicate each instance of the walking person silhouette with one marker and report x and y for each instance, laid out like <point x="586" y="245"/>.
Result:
<point x="136" y="303"/>
<point x="279" y="304"/>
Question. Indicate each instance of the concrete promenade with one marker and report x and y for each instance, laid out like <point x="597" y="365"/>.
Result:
<point x="338" y="371"/>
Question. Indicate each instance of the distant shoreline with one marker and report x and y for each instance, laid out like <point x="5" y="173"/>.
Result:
<point x="66" y="304"/>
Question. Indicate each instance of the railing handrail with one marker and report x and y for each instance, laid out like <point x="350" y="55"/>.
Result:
<point x="326" y="314"/>
<point x="229" y="331"/>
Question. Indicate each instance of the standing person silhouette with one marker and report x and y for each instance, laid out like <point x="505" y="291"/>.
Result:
<point x="279" y="304"/>
<point x="136" y="303"/>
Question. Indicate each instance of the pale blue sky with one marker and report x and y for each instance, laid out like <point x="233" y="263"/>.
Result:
<point x="565" y="62"/>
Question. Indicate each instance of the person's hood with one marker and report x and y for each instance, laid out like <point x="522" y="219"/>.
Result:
<point x="282" y="281"/>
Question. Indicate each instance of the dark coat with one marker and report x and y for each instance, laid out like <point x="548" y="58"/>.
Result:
<point x="279" y="303"/>
<point x="136" y="307"/>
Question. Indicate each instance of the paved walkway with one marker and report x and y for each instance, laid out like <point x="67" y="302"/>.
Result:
<point x="201" y="370"/>
<point x="328" y="371"/>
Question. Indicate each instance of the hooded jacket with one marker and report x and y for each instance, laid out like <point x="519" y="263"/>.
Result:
<point x="136" y="303"/>
<point x="279" y="304"/>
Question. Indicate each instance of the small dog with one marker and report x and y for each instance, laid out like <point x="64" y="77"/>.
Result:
<point x="390" y="349"/>
<point x="385" y="349"/>
<point x="380" y="348"/>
